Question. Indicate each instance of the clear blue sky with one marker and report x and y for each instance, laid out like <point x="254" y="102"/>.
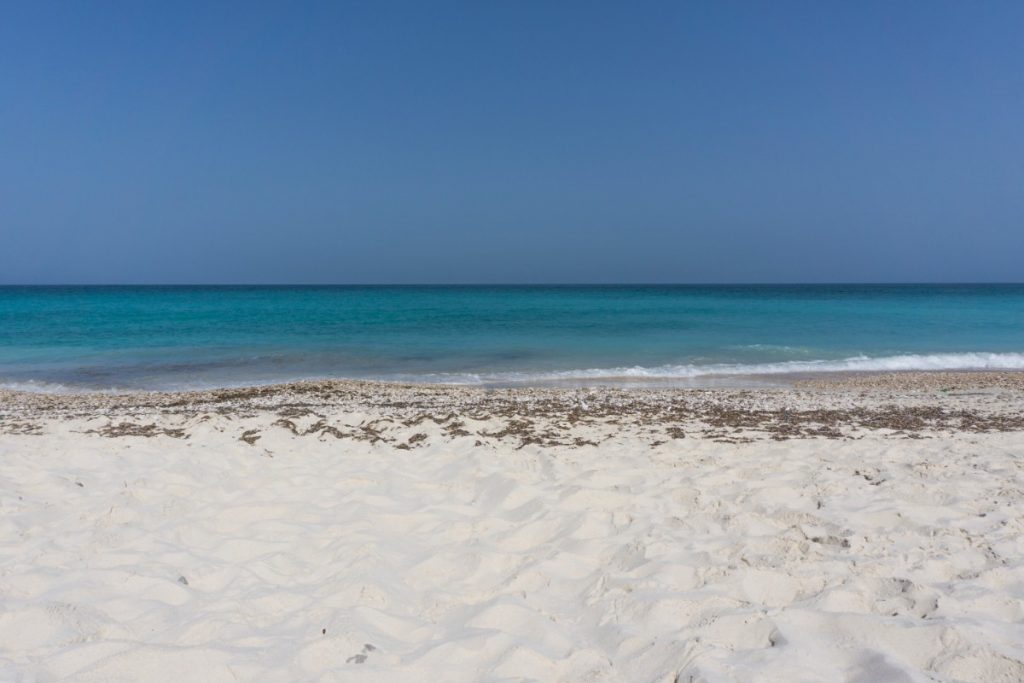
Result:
<point x="511" y="142"/>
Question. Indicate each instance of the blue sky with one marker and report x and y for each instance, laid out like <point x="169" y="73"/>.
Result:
<point x="511" y="142"/>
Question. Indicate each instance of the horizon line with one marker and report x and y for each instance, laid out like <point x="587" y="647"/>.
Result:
<point x="520" y="284"/>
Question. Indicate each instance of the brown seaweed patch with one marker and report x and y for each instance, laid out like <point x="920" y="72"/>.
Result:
<point x="457" y="428"/>
<point x="132" y="429"/>
<point x="21" y="428"/>
<point x="250" y="436"/>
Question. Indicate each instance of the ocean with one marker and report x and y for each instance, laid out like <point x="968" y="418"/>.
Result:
<point x="118" y="338"/>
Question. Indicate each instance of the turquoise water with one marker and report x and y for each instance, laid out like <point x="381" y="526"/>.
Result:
<point x="188" y="337"/>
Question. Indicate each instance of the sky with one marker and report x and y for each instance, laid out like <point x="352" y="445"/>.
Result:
<point x="511" y="142"/>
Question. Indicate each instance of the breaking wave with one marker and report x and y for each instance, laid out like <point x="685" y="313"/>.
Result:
<point x="689" y="373"/>
<point x="928" y="362"/>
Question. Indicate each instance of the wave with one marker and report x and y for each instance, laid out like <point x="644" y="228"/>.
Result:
<point x="38" y="387"/>
<point x="901" y="363"/>
<point x="614" y="375"/>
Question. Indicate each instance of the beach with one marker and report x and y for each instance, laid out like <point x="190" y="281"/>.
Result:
<point x="512" y="342"/>
<point x="855" y="528"/>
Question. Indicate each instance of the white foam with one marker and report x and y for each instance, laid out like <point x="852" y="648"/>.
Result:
<point x="36" y="387"/>
<point x="632" y="374"/>
<point x="927" y="362"/>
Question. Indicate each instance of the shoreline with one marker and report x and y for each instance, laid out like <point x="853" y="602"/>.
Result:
<point x="834" y="405"/>
<point x="912" y="380"/>
<point x="710" y="380"/>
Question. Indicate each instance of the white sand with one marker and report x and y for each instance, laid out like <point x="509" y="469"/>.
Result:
<point x="313" y="558"/>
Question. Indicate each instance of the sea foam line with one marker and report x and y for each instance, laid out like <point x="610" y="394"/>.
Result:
<point x="900" y="363"/>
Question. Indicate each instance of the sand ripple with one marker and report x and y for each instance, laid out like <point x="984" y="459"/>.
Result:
<point x="308" y="557"/>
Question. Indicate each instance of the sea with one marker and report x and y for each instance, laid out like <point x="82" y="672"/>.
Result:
<point x="85" y="338"/>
